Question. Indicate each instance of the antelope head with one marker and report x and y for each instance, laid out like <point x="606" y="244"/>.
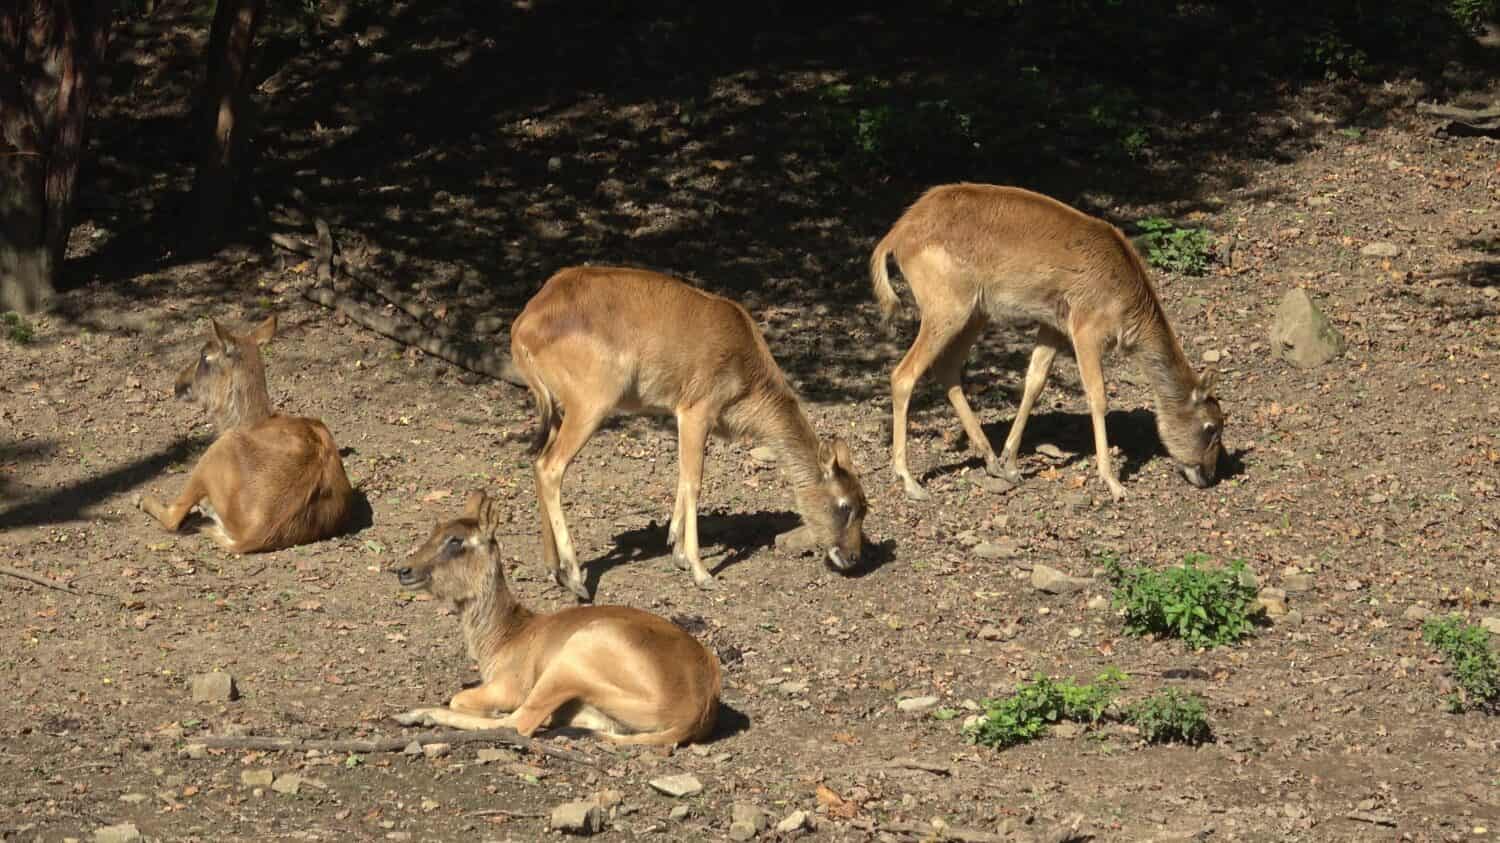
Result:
<point x="458" y="557"/>
<point x="837" y="517"/>
<point x="228" y="379"/>
<point x="1193" y="433"/>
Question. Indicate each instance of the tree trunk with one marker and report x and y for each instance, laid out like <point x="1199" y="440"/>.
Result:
<point x="49" y="58"/>
<point x="226" y="105"/>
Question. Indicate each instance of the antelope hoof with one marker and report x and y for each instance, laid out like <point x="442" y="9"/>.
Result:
<point x="1117" y="491"/>
<point x="681" y="559"/>
<point x="706" y="582"/>
<point x="995" y="468"/>
<point x="574" y="583"/>
<point x="914" y="490"/>
<point x="138" y="502"/>
<point x="416" y="717"/>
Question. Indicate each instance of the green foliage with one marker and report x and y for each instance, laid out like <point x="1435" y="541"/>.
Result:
<point x="1182" y="250"/>
<point x="1473" y="663"/>
<point x="1473" y="14"/>
<point x="878" y="128"/>
<point x="1171" y="717"/>
<point x="1204" y="607"/>
<point x="1334" y="56"/>
<point x="1037" y="704"/>
<point x="17" y="329"/>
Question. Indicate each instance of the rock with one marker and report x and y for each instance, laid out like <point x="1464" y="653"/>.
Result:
<point x="794" y="821"/>
<point x="121" y="833"/>
<point x="1318" y="201"/>
<point x="993" y="485"/>
<point x="1272" y="601"/>
<point x="1051" y="452"/>
<point x="413" y="748"/>
<point x="764" y="455"/>
<point x="1066" y="729"/>
<point x="741" y="831"/>
<point x="554" y="164"/>
<point x="1212" y="356"/>
<point x="287" y="784"/>
<point x="195" y="751"/>
<point x="1296" y="583"/>
<point x="797" y="540"/>
<point x="1098" y="603"/>
<point x="1292" y="618"/>
<point x="578" y="818"/>
<point x="792" y="689"/>
<point x="998" y="549"/>
<point x="133" y="798"/>
<point x="991" y="633"/>
<point x="436" y="750"/>
<point x="972" y="721"/>
<point x="751" y="815"/>
<point x="1491" y="624"/>
<point x="1416" y="613"/>
<point x="1380" y="250"/>
<point x="1052" y="581"/>
<point x="678" y="786"/>
<point x="917" y="704"/>
<point x="679" y="813"/>
<point x="490" y="755"/>
<point x="257" y="778"/>
<point x="608" y="798"/>
<point x="1301" y="334"/>
<point x="1248" y="579"/>
<point x="214" y="687"/>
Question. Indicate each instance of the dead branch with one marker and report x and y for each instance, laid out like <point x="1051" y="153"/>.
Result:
<point x="943" y="834"/>
<point x="1374" y="819"/>
<point x="39" y="580"/>
<point x="505" y="737"/>
<point x="325" y="250"/>
<point x="1466" y="121"/>
<point x="917" y="764"/>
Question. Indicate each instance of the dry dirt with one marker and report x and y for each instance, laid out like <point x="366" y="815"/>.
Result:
<point x="1377" y="474"/>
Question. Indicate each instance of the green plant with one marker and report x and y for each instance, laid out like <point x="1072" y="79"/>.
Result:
<point x="1037" y="704"/>
<point x="1181" y="250"/>
<point x="1335" y="56"/>
<point x="1473" y="663"/>
<point x="17" y="329"/>
<point x="1170" y="717"/>
<point x="1472" y="14"/>
<point x="1204" y="607"/>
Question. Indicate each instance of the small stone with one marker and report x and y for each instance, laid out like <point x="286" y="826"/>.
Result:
<point x="1052" y="581"/>
<point x="1051" y="451"/>
<point x="791" y="689"/>
<point x="195" y="751"/>
<point x="490" y="755"/>
<point x="554" y="164"/>
<point x="133" y="798"/>
<point x="1301" y="334"/>
<point x="1248" y="579"/>
<point x="751" y="815"/>
<point x="991" y="633"/>
<point x="972" y="721"/>
<point x="993" y="485"/>
<point x="999" y="549"/>
<point x="1292" y="618"/>
<point x="1492" y="624"/>
<point x="1066" y="729"/>
<point x="436" y="750"/>
<point x="678" y="786"/>
<point x="214" y="687"/>
<point x="608" y="798"/>
<point x="794" y="821"/>
<point x="257" y="778"/>
<point x="1098" y="603"/>
<point x="764" y="455"/>
<point x="741" y="831"/>
<point x="413" y="748"/>
<point x="1318" y="201"/>
<point x="917" y="704"/>
<point x="1272" y="601"/>
<point x="1416" y="613"/>
<point x="121" y="833"/>
<point x="1296" y="583"/>
<point x="679" y="813"/>
<point x="1075" y="632"/>
<point x="578" y="818"/>
<point x="287" y="784"/>
<point x="1212" y="356"/>
<point x="1380" y="250"/>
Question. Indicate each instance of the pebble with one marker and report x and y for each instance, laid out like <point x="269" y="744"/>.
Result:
<point x="489" y="755"/>
<point x="578" y="818"/>
<point x="1052" y="581"/>
<point x="1416" y="613"/>
<point x="436" y="750"/>
<point x="1050" y="451"/>
<point x="413" y="748"/>
<point x="917" y="704"/>
<point x="1098" y="603"/>
<point x="1212" y="356"/>
<point x="998" y="549"/>
<point x="214" y="687"/>
<point x="287" y="784"/>
<point x="792" y="822"/>
<point x="679" y="813"/>
<point x="257" y="778"/>
<point x="791" y="689"/>
<point x="1380" y="250"/>
<point x="678" y="786"/>
<point x="121" y="833"/>
<point x="1491" y="624"/>
<point x="993" y="485"/>
<point x="133" y="798"/>
<point x="1296" y="583"/>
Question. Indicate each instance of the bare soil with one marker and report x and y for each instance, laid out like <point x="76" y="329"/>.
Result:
<point x="1378" y="474"/>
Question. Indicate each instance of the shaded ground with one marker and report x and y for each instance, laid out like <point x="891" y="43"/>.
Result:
<point x="1377" y="473"/>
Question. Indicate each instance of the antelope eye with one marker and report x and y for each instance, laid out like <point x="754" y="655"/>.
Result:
<point x="453" y="543"/>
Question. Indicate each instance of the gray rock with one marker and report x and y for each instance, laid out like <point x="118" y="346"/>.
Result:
<point x="133" y="798"/>
<point x="991" y="633"/>
<point x="993" y="485"/>
<point x="751" y="815"/>
<point x="763" y="454"/>
<point x="287" y="784"/>
<point x="195" y="751"/>
<point x="413" y="748"/>
<point x="998" y="549"/>
<point x="917" y="704"/>
<point x="794" y="821"/>
<point x="490" y="755"/>
<point x="1066" y="729"/>
<point x="121" y="833"/>
<point x="578" y="818"/>
<point x="436" y="750"/>
<point x="1098" y="603"/>
<point x="741" y="831"/>
<point x="1296" y="583"/>
<point x="214" y="687"/>
<point x="1051" y="452"/>
<point x="1272" y="601"/>
<point x="257" y="778"/>
<point x="1491" y="624"/>
<point x="1416" y="613"/>
<point x="1380" y="250"/>
<point x="1301" y="334"/>
<point x="792" y="689"/>
<point x="678" y="786"/>
<point x="1052" y="581"/>
<point x="1212" y="356"/>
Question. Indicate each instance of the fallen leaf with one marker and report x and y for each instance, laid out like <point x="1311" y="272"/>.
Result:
<point x="436" y="495"/>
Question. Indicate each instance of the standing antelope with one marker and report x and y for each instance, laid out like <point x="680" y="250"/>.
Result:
<point x="973" y="253"/>
<point x="601" y="340"/>
<point x="271" y="481"/>
<point x="627" y="674"/>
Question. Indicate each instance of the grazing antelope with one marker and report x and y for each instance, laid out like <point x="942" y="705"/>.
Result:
<point x="271" y="481"/>
<point x="973" y="253"/>
<point x="602" y="340"/>
<point x="627" y="674"/>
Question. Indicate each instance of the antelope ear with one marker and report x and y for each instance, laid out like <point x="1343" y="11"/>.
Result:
<point x="841" y="455"/>
<point x="1205" y="385"/>
<point x="264" y="331"/>
<point x="223" y="337"/>
<point x="474" y="505"/>
<point x="826" y="458"/>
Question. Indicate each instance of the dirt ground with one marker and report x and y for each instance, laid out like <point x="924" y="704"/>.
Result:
<point x="1378" y="474"/>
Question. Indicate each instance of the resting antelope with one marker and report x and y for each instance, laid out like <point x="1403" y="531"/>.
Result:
<point x="627" y="674"/>
<point x="271" y="481"/>
<point x="973" y="253"/>
<point x="602" y="340"/>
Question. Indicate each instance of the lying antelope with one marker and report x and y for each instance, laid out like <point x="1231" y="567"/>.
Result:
<point x="624" y="673"/>
<point x="602" y="340"/>
<point x="973" y="253"/>
<point x="271" y="481"/>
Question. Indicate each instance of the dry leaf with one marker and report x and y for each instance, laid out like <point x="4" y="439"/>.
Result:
<point x="436" y="495"/>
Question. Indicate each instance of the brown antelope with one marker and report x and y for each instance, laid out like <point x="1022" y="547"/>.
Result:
<point x="605" y="340"/>
<point x="973" y="253"/>
<point x="271" y="481"/>
<point x="627" y="674"/>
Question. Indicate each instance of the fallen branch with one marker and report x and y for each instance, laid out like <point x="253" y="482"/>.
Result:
<point x="1466" y="121"/>
<point x="917" y="764"/>
<point x="505" y="737"/>
<point x="940" y="834"/>
<point x="1374" y="819"/>
<point x="39" y="580"/>
<point x="502" y="812"/>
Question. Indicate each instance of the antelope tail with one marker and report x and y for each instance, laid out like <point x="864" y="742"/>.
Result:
<point x="880" y="278"/>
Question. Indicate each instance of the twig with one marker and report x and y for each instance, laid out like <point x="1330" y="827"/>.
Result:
<point x="39" y="580"/>
<point x="501" y="812"/>
<point x="917" y="764"/>
<point x="1374" y="819"/>
<point x="943" y="833"/>
<point x="506" y="737"/>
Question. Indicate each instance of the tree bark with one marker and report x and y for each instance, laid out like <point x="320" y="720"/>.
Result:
<point x="49" y="59"/>
<point x="226" y="106"/>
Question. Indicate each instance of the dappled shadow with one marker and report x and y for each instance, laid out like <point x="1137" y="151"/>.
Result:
<point x="13" y="455"/>
<point x="70" y="502"/>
